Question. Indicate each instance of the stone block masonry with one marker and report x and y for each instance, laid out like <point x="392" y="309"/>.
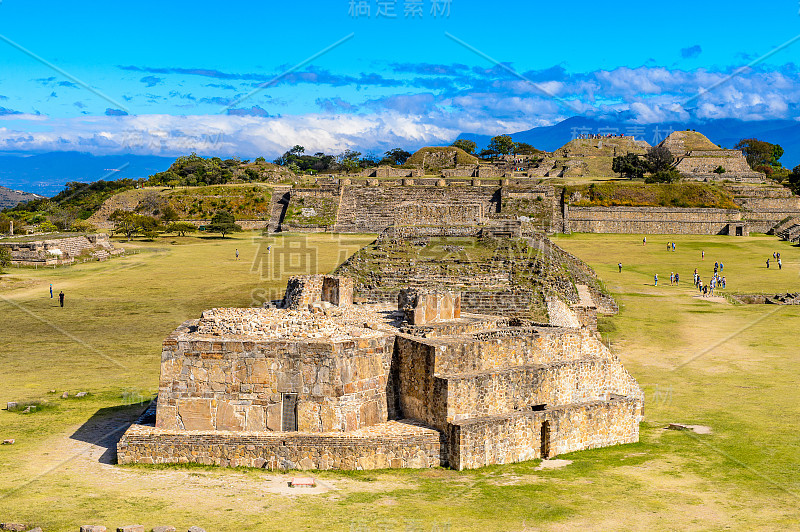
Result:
<point x="359" y="387"/>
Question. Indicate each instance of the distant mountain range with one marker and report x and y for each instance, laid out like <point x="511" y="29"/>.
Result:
<point x="47" y="173"/>
<point x="10" y="198"/>
<point x="724" y="132"/>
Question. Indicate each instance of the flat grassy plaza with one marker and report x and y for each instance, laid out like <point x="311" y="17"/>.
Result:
<point x="729" y="368"/>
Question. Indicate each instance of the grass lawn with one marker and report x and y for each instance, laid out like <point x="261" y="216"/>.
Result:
<point x="731" y="367"/>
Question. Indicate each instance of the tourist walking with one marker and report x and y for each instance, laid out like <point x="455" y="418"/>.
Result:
<point x="619" y="265"/>
<point x="780" y="264"/>
<point x="677" y="278"/>
<point x="671" y="278"/>
<point x="61" y="299"/>
<point x="673" y="246"/>
<point x="237" y="253"/>
<point x="51" y="291"/>
<point x="768" y="264"/>
<point x="703" y="255"/>
<point x="656" y="280"/>
<point x="644" y="241"/>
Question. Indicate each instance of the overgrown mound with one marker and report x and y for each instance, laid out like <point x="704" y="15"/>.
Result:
<point x="438" y="157"/>
<point x="685" y="195"/>
<point x="682" y="142"/>
<point x="524" y="271"/>
<point x="603" y="147"/>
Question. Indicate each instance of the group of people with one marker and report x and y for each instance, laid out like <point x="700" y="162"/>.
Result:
<point x="776" y="255"/>
<point x="717" y="281"/>
<point x="590" y="136"/>
<point x="60" y="296"/>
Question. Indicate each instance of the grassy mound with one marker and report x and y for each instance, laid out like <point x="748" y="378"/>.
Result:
<point x="419" y="156"/>
<point x="686" y="195"/>
<point x="244" y="201"/>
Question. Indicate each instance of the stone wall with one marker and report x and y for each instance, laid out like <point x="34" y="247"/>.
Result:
<point x="302" y="291"/>
<point x="651" y="220"/>
<point x="389" y="172"/>
<point x="416" y="448"/>
<point x="238" y="384"/>
<point x="60" y="251"/>
<point x="373" y="209"/>
<point x="512" y="438"/>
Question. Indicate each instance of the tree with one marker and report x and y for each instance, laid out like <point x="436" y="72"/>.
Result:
<point x="502" y="144"/>
<point x="181" y="228"/>
<point x="349" y="160"/>
<point x="759" y="153"/>
<point x="130" y="223"/>
<point x="793" y="181"/>
<point x="5" y="224"/>
<point x="168" y="214"/>
<point x="5" y="258"/>
<point x="659" y="158"/>
<point x="719" y="170"/>
<point x="664" y="176"/>
<point x="629" y="165"/>
<point x="466" y="145"/>
<point x="223" y="222"/>
<point x="397" y="156"/>
<point x="523" y="148"/>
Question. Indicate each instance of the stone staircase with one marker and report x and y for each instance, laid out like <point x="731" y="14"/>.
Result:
<point x="788" y="229"/>
<point x="281" y="196"/>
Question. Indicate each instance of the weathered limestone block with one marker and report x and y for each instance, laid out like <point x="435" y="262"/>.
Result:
<point x="274" y="417"/>
<point x="230" y="416"/>
<point x="93" y="528"/>
<point x="196" y="414"/>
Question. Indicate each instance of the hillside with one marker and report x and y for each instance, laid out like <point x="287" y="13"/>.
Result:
<point x="11" y="198"/>
<point x="246" y="202"/>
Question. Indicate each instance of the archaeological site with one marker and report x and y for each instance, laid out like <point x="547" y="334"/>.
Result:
<point x="326" y="383"/>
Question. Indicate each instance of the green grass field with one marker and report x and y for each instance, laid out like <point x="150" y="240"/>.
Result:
<point x="733" y="368"/>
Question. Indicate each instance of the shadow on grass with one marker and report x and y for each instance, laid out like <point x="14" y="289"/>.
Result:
<point x="106" y="426"/>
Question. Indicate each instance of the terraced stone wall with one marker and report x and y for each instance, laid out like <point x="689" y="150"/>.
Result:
<point x="652" y="220"/>
<point x="474" y="443"/>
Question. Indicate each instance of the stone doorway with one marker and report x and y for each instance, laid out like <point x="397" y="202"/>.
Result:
<point x="545" y="440"/>
<point x="289" y="412"/>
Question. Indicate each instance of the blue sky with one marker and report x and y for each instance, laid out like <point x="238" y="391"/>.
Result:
<point x="164" y="78"/>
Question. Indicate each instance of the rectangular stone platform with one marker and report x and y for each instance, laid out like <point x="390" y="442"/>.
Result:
<point x="394" y="444"/>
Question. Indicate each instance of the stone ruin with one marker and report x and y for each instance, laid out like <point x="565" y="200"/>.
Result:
<point x="327" y="384"/>
<point x="60" y="251"/>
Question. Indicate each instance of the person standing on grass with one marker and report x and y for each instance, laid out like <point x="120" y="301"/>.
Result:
<point x="703" y="255"/>
<point x="768" y="264"/>
<point x="720" y="267"/>
<point x="671" y="278"/>
<point x="780" y="264"/>
<point x="237" y="253"/>
<point x="668" y="246"/>
<point x="644" y="241"/>
<point x="656" y="280"/>
<point x="61" y="299"/>
<point x="673" y="246"/>
<point x="619" y="265"/>
<point x="677" y="278"/>
<point x="51" y="291"/>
